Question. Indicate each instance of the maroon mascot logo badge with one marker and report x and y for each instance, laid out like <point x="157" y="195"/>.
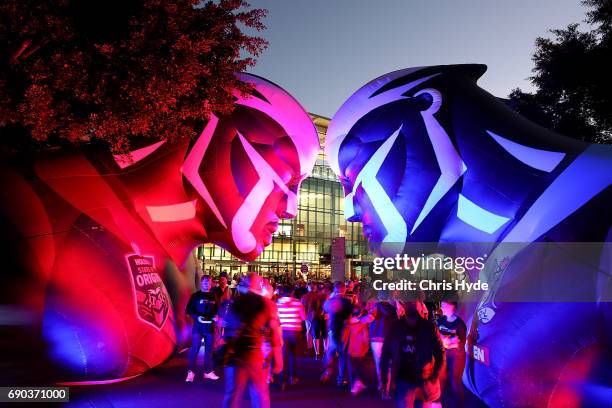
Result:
<point x="152" y="303"/>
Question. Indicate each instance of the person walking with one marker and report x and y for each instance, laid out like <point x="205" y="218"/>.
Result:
<point x="249" y="317"/>
<point x="202" y="307"/>
<point x="413" y="350"/>
<point x="358" y="346"/>
<point x="382" y="315"/>
<point x="338" y="309"/>
<point x="291" y="315"/>
<point x="313" y="309"/>
<point x="453" y="333"/>
<point x="223" y="293"/>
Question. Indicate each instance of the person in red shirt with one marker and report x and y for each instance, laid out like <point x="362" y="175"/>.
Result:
<point x="315" y="318"/>
<point x="358" y="346"/>
<point x="306" y="300"/>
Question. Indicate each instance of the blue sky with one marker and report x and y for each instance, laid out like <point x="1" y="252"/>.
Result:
<point x="321" y="51"/>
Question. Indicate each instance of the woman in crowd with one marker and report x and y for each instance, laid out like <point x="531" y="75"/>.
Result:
<point x="358" y="345"/>
<point x="382" y="316"/>
<point x="453" y="333"/>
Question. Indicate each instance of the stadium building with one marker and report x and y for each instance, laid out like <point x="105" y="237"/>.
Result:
<point x="318" y="240"/>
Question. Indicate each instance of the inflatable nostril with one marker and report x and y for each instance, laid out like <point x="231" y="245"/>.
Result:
<point x="286" y="215"/>
<point x="354" y="218"/>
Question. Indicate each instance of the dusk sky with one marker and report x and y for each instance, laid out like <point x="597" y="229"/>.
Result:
<point x="321" y="51"/>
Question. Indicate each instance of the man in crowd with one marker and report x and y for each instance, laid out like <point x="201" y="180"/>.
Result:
<point x="222" y="291"/>
<point x="453" y="333"/>
<point x="382" y="315"/>
<point x="224" y="295"/>
<point x="339" y="310"/>
<point x="313" y="308"/>
<point x="414" y="350"/>
<point x="300" y="289"/>
<point x="291" y="315"/>
<point x="248" y="318"/>
<point x="349" y="291"/>
<point x="202" y="307"/>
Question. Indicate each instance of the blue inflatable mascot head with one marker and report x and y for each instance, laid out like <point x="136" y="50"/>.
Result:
<point x="425" y="155"/>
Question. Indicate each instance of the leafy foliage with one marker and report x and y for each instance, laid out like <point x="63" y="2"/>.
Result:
<point x="120" y="70"/>
<point x="573" y="80"/>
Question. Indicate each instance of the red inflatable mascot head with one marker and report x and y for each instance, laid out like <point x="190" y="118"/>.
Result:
<point x="248" y="168"/>
<point x="97" y="246"/>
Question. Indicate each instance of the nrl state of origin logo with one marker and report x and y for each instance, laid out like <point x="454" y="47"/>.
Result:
<point x="152" y="303"/>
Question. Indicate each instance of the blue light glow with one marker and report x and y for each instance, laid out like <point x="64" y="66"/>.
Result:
<point x="476" y="216"/>
<point x="389" y="215"/>
<point x="538" y="159"/>
<point x="449" y="161"/>
<point x="568" y="192"/>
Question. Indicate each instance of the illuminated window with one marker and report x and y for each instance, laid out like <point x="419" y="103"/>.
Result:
<point x="283" y="231"/>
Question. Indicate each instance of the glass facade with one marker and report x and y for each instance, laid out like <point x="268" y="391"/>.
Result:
<point x="305" y="242"/>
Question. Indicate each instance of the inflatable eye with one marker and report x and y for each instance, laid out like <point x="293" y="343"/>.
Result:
<point x="428" y="100"/>
<point x="423" y="101"/>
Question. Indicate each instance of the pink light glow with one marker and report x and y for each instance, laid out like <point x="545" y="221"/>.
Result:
<point x="98" y="382"/>
<point x="126" y="160"/>
<point x="250" y="208"/>
<point x="191" y="166"/>
<point x="358" y="105"/>
<point x="173" y="212"/>
<point x="286" y="111"/>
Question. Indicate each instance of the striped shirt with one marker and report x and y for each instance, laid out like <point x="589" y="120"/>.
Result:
<point x="290" y="313"/>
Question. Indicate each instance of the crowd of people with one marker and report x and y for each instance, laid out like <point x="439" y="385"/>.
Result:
<point x="254" y="330"/>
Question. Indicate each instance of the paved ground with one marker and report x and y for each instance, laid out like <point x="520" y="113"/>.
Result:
<point x="164" y="387"/>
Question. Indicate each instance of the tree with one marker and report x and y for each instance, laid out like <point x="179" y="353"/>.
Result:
<point x="120" y="70"/>
<point x="572" y="77"/>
